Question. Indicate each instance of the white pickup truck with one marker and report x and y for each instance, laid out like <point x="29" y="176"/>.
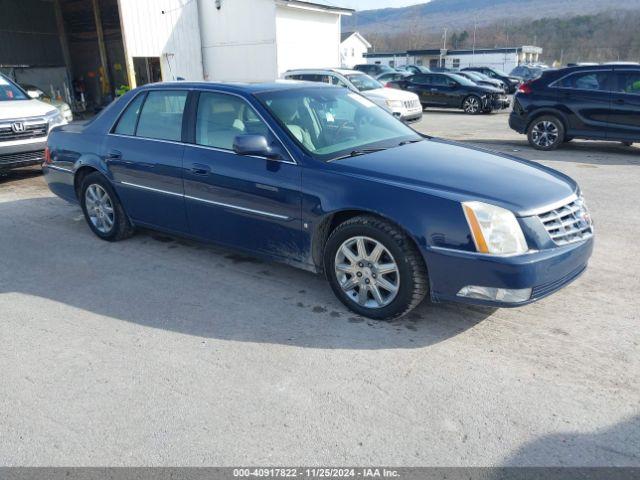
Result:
<point x="24" y="126"/>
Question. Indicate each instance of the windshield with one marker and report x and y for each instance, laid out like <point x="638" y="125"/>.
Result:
<point x="471" y="75"/>
<point x="330" y="123"/>
<point x="9" y="91"/>
<point x="499" y="72"/>
<point x="364" y="82"/>
<point x="461" y="80"/>
<point x="482" y="76"/>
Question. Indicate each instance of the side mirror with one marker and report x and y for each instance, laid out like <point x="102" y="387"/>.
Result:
<point x="253" y="145"/>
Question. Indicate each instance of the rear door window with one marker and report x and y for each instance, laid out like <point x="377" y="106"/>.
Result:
<point x="129" y="119"/>
<point x="161" y="116"/>
<point x="597" y="81"/>
<point x="628" y="82"/>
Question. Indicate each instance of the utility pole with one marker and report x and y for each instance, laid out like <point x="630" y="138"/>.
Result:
<point x="475" y="29"/>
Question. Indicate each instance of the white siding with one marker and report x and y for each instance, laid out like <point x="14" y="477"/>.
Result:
<point x="239" y="40"/>
<point x="307" y="39"/>
<point x="501" y="61"/>
<point x="174" y="35"/>
<point x="352" y="52"/>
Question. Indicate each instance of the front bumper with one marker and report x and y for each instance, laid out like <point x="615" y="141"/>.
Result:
<point x="22" y="153"/>
<point x="545" y="272"/>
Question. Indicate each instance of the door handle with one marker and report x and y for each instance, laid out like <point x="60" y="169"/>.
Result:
<point x="620" y="101"/>
<point x="199" y="169"/>
<point x="114" y="155"/>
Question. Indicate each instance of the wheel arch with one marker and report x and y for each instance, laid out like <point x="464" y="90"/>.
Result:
<point x="551" y="112"/>
<point x="331" y="221"/>
<point x="86" y="165"/>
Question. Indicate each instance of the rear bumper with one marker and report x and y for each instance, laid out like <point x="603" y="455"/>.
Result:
<point x="545" y="272"/>
<point x="517" y="122"/>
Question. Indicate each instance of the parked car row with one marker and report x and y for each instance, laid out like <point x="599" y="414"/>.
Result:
<point x="403" y="105"/>
<point x="449" y="90"/>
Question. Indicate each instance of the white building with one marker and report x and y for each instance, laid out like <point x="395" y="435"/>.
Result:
<point x="231" y="40"/>
<point x="501" y="58"/>
<point x="91" y="49"/>
<point x="353" y="48"/>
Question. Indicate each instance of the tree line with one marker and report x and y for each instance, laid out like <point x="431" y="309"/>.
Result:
<point x="602" y="37"/>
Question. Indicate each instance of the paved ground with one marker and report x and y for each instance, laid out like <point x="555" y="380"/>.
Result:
<point x="157" y="351"/>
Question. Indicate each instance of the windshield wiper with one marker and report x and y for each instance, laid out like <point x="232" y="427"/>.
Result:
<point x="407" y="142"/>
<point x="358" y="152"/>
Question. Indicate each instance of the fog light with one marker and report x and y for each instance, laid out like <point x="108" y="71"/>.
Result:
<point x="496" y="294"/>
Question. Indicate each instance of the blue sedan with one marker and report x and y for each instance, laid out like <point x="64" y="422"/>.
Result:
<point x="321" y="178"/>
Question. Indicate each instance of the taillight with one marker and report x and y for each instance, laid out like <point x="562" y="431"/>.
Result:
<point x="525" y="88"/>
<point x="388" y="85"/>
<point x="47" y="156"/>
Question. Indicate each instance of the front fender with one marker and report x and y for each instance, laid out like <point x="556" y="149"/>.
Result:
<point x="429" y="220"/>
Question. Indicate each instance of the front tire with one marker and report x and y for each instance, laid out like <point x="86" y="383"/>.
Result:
<point x="546" y="133"/>
<point x="374" y="269"/>
<point x="472" y="105"/>
<point x="102" y="209"/>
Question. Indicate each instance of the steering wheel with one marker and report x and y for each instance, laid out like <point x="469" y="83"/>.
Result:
<point x="344" y="124"/>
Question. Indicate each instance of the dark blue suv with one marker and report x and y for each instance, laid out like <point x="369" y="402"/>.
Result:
<point x="599" y="102"/>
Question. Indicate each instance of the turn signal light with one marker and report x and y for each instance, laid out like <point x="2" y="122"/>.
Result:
<point x="47" y="156"/>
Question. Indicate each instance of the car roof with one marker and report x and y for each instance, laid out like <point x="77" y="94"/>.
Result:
<point x="247" y="88"/>
<point x="341" y="71"/>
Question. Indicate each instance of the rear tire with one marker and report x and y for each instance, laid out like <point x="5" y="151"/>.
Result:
<point x="374" y="269"/>
<point x="546" y="133"/>
<point x="102" y="209"/>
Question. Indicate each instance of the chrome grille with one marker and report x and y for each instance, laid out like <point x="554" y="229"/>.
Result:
<point x="31" y="128"/>
<point x="412" y="104"/>
<point x="569" y="223"/>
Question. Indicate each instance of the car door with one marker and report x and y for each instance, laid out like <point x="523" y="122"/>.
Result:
<point x="144" y="154"/>
<point x="449" y="91"/>
<point x="586" y="99"/>
<point x="625" y="105"/>
<point x="422" y="85"/>
<point x="249" y="202"/>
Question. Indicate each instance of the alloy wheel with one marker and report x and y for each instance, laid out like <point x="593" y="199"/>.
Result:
<point x="367" y="272"/>
<point x="99" y="208"/>
<point x="545" y="134"/>
<point x="471" y="105"/>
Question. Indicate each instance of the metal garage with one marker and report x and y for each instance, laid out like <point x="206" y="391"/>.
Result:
<point x="70" y="49"/>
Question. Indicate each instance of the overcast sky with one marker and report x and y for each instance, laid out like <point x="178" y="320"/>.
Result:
<point x="372" y="4"/>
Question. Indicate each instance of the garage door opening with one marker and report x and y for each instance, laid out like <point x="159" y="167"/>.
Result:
<point x="147" y="70"/>
<point x="72" y="50"/>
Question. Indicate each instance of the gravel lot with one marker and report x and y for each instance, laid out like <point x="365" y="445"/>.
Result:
<point x="159" y="351"/>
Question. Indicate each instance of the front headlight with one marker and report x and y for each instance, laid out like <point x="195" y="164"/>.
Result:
<point x="54" y="119"/>
<point x="495" y="230"/>
<point x="394" y="103"/>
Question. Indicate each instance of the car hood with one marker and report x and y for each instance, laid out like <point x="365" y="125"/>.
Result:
<point x="489" y="89"/>
<point x="24" y="108"/>
<point x="389" y="94"/>
<point x="462" y="173"/>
